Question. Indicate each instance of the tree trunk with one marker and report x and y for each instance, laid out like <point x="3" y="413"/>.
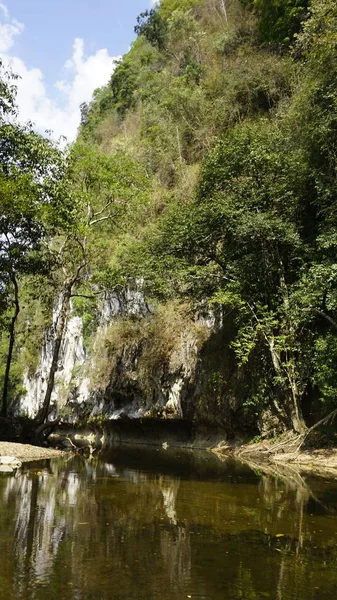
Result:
<point x="43" y="431"/>
<point x="285" y="371"/>
<point x="295" y="410"/>
<point x="296" y="414"/>
<point x="60" y="327"/>
<point x="224" y="10"/>
<point x="292" y="395"/>
<point x="4" y="408"/>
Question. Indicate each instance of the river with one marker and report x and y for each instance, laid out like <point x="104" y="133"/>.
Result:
<point x="150" y="524"/>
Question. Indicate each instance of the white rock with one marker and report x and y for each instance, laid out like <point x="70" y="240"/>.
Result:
<point x="11" y="461"/>
<point x="6" y="469"/>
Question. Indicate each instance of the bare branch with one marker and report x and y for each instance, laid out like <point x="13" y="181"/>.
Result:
<point x="95" y="221"/>
<point x="224" y="10"/>
<point x="328" y="419"/>
<point x="100" y="212"/>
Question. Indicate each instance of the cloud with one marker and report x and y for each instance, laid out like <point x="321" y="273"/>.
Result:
<point x="9" y="29"/>
<point x="56" y="109"/>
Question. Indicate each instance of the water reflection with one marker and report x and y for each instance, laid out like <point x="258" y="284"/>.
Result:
<point x="164" y="525"/>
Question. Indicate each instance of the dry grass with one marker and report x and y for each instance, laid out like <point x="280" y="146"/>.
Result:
<point x="165" y="342"/>
<point x="109" y="346"/>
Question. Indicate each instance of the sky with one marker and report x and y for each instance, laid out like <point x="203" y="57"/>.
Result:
<point x="63" y="50"/>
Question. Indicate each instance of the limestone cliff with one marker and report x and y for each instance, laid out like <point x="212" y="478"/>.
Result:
<point x="138" y="363"/>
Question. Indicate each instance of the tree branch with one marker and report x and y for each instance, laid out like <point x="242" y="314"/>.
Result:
<point x="97" y="214"/>
<point x="323" y="314"/>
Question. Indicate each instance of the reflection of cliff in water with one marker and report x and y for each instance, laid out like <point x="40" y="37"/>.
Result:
<point x="58" y="514"/>
<point x="89" y="529"/>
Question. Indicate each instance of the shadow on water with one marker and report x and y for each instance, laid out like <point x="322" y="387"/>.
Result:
<point x="150" y="524"/>
<point x="177" y="462"/>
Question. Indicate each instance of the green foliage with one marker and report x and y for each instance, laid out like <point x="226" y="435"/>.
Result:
<point x="325" y="368"/>
<point x="32" y="205"/>
<point x="123" y="85"/>
<point x="252" y="237"/>
<point x="97" y="421"/>
<point x="170" y="103"/>
<point x="167" y="7"/>
<point x="279" y="20"/>
<point x="7" y="92"/>
<point x="151" y="24"/>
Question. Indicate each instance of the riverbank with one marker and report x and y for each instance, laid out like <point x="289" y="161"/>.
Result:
<point x="27" y="453"/>
<point x="311" y="454"/>
<point x="287" y="452"/>
<point x="316" y="454"/>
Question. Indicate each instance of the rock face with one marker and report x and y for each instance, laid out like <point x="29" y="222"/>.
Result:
<point x="68" y="375"/>
<point x="141" y="363"/>
<point x="95" y="384"/>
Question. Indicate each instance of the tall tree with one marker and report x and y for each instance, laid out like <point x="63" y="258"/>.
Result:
<point x="30" y="169"/>
<point x="105" y="190"/>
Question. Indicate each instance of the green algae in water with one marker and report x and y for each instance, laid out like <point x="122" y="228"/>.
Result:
<point x="156" y="525"/>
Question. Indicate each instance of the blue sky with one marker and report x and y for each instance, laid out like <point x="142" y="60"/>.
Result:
<point x="63" y="50"/>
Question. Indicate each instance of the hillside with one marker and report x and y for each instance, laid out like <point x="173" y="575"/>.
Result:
<point x="191" y="239"/>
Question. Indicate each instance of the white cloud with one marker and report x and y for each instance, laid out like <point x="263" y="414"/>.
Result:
<point x="57" y="109"/>
<point x="9" y="28"/>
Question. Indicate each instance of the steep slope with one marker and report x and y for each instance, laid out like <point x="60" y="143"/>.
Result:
<point x="215" y="134"/>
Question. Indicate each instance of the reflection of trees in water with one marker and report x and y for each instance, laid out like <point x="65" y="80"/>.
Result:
<point x="86" y="525"/>
<point x="40" y="524"/>
<point x="99" y="530"/>
<point x="169" y="488"/>
<point x="243" y="587"/>
<point x="287" y="494"/>
<point x="176" y="553"/>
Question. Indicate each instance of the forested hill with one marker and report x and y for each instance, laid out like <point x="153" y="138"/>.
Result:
<point x="204" y="173"/>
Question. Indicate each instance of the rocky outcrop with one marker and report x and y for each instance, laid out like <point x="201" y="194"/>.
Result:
<point x="136" y="367"/>
<point x="143" y="363"/>
<point x="69" y="373"/>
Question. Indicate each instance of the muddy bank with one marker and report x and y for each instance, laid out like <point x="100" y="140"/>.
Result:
<point x="27" y="453"/>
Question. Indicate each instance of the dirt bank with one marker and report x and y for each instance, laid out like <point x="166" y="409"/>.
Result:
<point x="285" y="451"/>
<point x="26" y="453"/>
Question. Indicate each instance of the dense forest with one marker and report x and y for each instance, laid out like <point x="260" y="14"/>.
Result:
<point x="203" y="176"/>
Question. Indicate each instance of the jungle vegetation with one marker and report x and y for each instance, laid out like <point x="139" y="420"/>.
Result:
<point x="207" y="169"/>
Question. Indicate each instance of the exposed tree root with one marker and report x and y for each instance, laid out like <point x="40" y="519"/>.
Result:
<point x="328" y="419"/>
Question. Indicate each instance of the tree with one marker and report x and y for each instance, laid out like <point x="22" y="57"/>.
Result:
<point x="278" y="22"/>
<point x="153" y="27"/>
<point x="123" y="84"/>
<point x="239" y="243"/>
<point x="167" y="7"/>
<point x="104" y="189"/>
<point x="7" y="92"/>
<point x="30" y="168"/>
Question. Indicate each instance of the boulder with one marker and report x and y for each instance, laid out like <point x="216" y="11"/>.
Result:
<point x="10" y="461"/>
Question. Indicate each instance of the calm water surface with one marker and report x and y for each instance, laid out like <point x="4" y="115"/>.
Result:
<point x="165" y="525"/>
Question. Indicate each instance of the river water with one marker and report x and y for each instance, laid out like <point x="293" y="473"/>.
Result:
<point x="165" y="525"/>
